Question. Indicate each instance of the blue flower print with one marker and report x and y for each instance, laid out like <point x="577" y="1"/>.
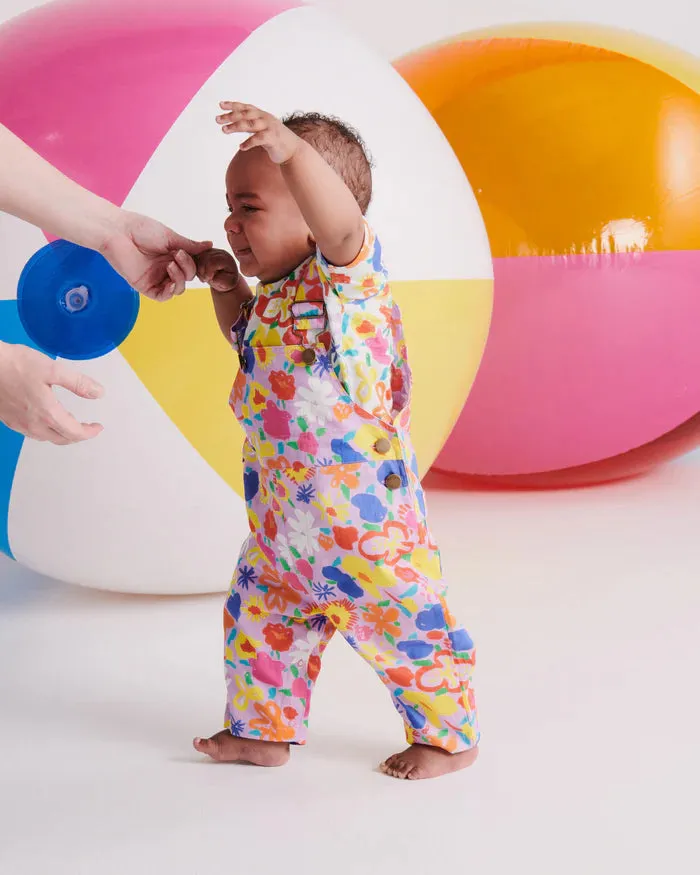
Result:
<point x="322" y="591"/>
<point x="415" y="649"/>
<point x="345" y="583"/>
<point x="347" y="454"/>
<point x="246" y="576"/>
<point x="233" y="605"/>
<point x="460" y="640"/>
<point x="237" y="728"/>
<point x="251" y="484"/>
<point x="370" y="507"/>
<point x="392" y="467"/>
<point x="431" y="618"/>
<point x="306" y="493"/>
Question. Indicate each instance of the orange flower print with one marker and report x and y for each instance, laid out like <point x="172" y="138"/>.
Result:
<point x="270" y="723"/>
<point x="342" y="411"/>
<point x="278" y="636"/>
<point x="389" y="545"/>
<point x="383" y="619"/>
<point x="346" y="475"/>
<point x="280" y="594"/>
<point x="326" y="542"/>
<point x="365" y="327"/>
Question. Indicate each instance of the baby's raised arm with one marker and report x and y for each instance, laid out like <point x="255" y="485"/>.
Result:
<point x="327" y="204"/>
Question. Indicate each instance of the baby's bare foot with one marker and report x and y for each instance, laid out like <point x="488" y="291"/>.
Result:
<point x="421" y="761"/>
<point x="225" y="748"/>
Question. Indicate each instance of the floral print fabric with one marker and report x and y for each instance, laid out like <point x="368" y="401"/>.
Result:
<point x="338" y="532"/>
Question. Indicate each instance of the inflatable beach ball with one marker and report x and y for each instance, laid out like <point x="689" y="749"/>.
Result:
<point x="122" y="96"/>
<point x="586" y="167"/>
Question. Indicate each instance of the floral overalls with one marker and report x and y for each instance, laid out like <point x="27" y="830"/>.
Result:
<point x="338" y="536"/>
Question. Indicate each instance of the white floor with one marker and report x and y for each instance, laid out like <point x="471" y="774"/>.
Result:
<point x="586" y="611"/>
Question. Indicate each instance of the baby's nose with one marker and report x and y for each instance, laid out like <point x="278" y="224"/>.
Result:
<point x="233" y="226"/>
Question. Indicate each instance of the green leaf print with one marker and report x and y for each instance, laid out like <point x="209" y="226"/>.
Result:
<point x="287" y="693"/>
<point x="295" y="446"/>
<point x="390" y="639"/>
<point x="384" y="604"/>
<point x="295" y="671"/>
<point x="346" y="491"/>
<point x="303" y="424"/>
<point x="249" y="679"/>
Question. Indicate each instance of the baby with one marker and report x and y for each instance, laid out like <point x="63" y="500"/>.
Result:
<point x="338" y="536"/>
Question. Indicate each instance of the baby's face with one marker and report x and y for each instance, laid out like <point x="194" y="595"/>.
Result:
<point x="265" y="228"/>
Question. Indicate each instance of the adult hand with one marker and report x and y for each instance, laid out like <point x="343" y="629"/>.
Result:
<point x="28" y="404"/>
<point x="150" y="256"/>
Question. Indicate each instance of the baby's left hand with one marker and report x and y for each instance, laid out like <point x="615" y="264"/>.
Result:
<point x="267" y="131"/>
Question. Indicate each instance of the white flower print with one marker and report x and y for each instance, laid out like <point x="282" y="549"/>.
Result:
<point x="284" y="549"/>
<point x="303" y="649"/>
<point x="315" y="402"/>
<point x="304" y="535"/>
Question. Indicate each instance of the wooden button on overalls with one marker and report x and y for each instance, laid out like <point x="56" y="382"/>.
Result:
<point x="382" y="446"/>
<point x="392" y="481"/>
<point x="308" y="356"/>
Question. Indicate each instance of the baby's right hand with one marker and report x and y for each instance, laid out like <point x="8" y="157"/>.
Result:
<point x="218" y="269"/>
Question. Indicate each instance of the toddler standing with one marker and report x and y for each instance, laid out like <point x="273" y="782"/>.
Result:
<point x="338" y="535"/>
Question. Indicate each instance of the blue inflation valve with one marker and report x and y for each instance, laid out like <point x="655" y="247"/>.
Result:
<point x="73" y="304"/>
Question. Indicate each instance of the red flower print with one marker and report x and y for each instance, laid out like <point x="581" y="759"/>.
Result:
<point x="365" y="327"/>
<point x="276" y="422"/>
<point x="345" y="537"/>
<point x="402" y="677"/>
<point x="441" y="675"/>
<point x="314" y="667"/>
<point x="308" y="443"/>
<point x="283" y="385"/>
<point x="290" y="713"/>
<point x="270" y="525"/>
<point x="267" y="670"/>
<point x="278" y="636"/>
<point x="304" y="568"/>
<point x="406" y="573"/>
<point x="393" y="542"/>
<point x="396" y="379"/>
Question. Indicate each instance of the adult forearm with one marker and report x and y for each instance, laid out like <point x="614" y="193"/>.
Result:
<point x="33" y="190"/>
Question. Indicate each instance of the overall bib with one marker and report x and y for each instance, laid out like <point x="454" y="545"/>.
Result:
<point x="338" y="541"/>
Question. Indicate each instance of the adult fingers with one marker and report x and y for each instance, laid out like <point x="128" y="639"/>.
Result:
<point x="67" y="426"/>
<point x="186" y="264"/>
<point x="76" y="382"/>
<point x="178" y="278"/>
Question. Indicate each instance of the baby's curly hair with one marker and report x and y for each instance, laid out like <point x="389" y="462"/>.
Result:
<point x="341" y="146"/>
